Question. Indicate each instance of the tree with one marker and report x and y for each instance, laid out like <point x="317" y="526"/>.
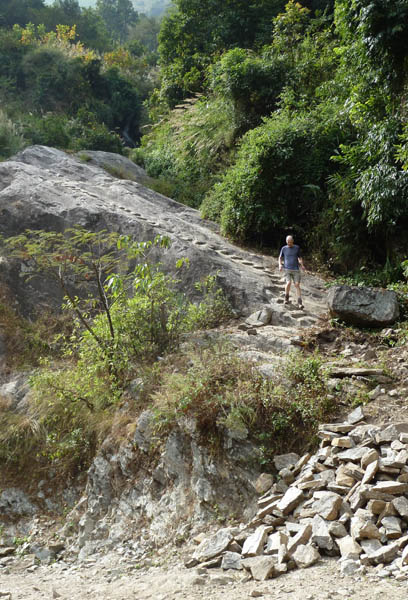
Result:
<point x="19" y="12"/>
<point x="118" y="15"/>
<point x="197" y="30"/>
<point x="92" y="270"/>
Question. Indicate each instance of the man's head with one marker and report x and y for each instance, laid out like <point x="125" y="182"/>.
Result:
<point x="289" y="240"/>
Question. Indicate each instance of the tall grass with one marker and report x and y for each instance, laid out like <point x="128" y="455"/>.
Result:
<point x="11" y="140"/>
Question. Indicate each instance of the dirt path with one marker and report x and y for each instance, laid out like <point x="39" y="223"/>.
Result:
<point x="110" y="578"/>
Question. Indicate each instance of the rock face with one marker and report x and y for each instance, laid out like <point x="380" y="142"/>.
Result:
<point x="44" y="188"/>
<point x="115" y="164"/>
<point x="363" y="306"/>
<point x="125" y="495"/>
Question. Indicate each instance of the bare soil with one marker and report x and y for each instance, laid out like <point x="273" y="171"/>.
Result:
<point x="113" y="579"/>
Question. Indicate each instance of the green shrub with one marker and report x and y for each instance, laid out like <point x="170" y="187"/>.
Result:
<point x="50" y="129"/>
<point x="82" y="132"/>
<point x="55" y="430"/>
<point x="251" y="82"/>
<point x="278" y="179"/>
<point x="87" y="133"/>
<point x="212" y="310"/>
<point x="128" y="314"/>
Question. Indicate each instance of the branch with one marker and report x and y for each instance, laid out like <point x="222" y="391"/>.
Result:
<point x="66" y="394"/>
<point x="104" y="300"/>
<point x="79" y="314"/>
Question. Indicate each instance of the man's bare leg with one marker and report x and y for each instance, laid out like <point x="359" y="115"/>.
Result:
<point x="287" y="290"/>
<point x="299" y="295"/>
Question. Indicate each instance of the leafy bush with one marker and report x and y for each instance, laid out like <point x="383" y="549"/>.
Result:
<point x="82" y="132"/>
<point x="214" y="308"/>
<point x="54" y="431"/>
<point x="220" y="390"/>
<point x="278" y="179"/>
<point x="197" y="30"/>
<point x="252" y="82"/>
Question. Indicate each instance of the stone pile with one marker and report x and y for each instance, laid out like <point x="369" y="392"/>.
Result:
<point x="350" y="499"/>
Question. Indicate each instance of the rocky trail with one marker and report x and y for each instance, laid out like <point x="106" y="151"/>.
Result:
<point x="113" y="579"/>
<point x="44" y="188"/>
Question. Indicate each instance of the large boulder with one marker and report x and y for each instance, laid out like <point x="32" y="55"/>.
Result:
<point x="115" y="164"/>
<point x="45" y="188"/>
<point x="366" y="307"/>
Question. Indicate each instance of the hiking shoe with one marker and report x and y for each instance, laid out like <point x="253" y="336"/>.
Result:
<point x="287" y="301"/>
<point x="300" y="305"/>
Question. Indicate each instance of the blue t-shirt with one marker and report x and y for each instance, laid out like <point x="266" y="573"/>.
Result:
<point x="290" y="255"/>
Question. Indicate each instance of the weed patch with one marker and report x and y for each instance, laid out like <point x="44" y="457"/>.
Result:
<point x="221" y="391"/>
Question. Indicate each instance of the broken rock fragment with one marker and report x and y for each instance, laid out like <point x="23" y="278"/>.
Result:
<point x="261" y="567"/>
<point x="231" y="560"/>
<point x="301" y="538"/>
<point x="401" y="506"/>
<point x="327" y="505"/>
<point x="390" y="487"/>
<point x="348" y="547"/>
<point x="290" y="500"/>
<point x="283" y="461"/>
<point x="305" y="556"/>
<point x="320" y="533"/>
<point x="361" y="528"/>
<point x="385" y="554"/>
<point x="275" y="541"/>
<point x="254" y="544"/>
<point x="213" y="545"/>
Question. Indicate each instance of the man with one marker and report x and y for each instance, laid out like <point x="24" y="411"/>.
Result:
<point x="290" y="260"/>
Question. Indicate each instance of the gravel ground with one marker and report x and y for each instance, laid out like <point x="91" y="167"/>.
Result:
<point x="112" y="579"/>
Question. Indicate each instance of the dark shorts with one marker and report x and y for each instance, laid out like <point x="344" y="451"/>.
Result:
<point x="292" y="276"/>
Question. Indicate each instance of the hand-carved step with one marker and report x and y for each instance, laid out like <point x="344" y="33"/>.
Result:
<point x="272" y="275"/>
<point x="297" y="314"/>
<point x="273" y="290"/>
<point x="307" y="321"/>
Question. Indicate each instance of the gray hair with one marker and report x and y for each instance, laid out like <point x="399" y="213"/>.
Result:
<point x="289" y="237"/>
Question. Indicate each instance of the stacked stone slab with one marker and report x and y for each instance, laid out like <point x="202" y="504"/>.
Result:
<point x="350" y="499"/>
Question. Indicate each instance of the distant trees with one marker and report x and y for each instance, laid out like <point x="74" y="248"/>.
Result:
<point x="19" y="11"/>
<point x="118" y="16"/>
<point x="197" y="30"/>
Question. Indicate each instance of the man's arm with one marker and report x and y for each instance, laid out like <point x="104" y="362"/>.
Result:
<point x="280" y="260"/>
<point x="300" y="261"/>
